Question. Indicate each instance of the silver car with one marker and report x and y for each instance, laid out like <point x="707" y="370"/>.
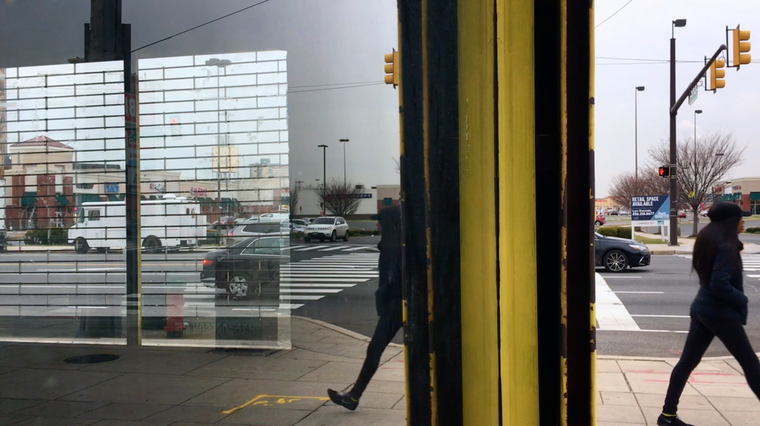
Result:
<point x="327" y="228"/>
<point x="279" y="228"/>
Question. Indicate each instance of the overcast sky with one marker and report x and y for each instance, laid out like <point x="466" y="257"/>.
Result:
<point x="343" y="41"/>
<point x="329" y="42"/>
<point x="642" y="30"/>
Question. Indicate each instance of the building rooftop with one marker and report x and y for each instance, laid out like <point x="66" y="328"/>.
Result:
<point x="41" y="141"/>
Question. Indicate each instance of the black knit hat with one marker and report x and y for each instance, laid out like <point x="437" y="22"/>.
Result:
<point x="723" y="211"/>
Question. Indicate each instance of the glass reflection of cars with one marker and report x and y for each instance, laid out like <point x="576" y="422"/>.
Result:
<point x="249" y="269"/>
<point x="618" y="254"/>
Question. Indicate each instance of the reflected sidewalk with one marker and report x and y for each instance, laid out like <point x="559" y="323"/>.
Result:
<point x="200" y="386"/>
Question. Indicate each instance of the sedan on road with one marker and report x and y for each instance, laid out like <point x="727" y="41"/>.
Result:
<point x="617" y="254"/>
<point x="249" y="269"/>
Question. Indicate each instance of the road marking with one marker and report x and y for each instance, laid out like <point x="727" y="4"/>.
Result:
<point x="269" y="401"/>
<point x="311" y="248"/>
<point x="336" y="248"/>
<point x="308" y="290"/>
<point x="611" y="314"/>
<point x="621" y="278"/>
<point x="316" y="285"/>
<point x="324" y="280"/>
<point x="639" y="292"/>
<point x="661" y="316"/>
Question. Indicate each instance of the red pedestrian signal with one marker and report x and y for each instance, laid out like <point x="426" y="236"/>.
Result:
<point x="664" y="171"/>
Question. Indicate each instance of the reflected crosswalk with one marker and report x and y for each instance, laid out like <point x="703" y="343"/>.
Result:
<point x="301" y="282"/>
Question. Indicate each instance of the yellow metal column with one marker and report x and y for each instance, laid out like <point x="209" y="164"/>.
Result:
<point x="477" y="171"/>
<point x="516" y="212"/>
<point x="592" y="195"/>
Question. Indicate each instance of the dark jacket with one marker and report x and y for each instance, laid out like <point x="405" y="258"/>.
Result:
<point x="723" y="296"/>
<point x="388" y="294"/>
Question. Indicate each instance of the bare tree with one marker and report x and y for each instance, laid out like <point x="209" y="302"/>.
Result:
<point x="627" y="185"/>
<point x="699" y="169"/>
<point x="294" y="193"/>
<point x="341" y="198"/>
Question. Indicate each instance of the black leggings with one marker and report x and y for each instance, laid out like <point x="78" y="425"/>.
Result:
<point x="701" y="333"/>
<point x="387" y="326"/>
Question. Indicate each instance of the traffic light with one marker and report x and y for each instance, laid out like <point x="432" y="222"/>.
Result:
<point x="392" y="68"/>
<point x="664" y="171"/>
<point x="741" y="47"/>
<point x="717" y="73"/>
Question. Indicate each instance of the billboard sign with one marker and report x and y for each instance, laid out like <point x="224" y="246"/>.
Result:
<point x="650" y="210"/>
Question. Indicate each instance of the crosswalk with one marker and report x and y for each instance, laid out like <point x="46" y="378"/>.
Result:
<point x="332" y="248"/>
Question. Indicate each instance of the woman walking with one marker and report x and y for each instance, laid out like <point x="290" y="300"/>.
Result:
<point x="720" y="308"/>
<point x="387" y="302"/>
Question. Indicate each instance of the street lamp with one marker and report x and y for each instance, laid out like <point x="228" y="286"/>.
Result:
<point x="324" y="178"/>
<point x="636" y="130"/>
<point x="345" y="141"/>
<point x="218" y="63"/>
<point x="673" y="240"/>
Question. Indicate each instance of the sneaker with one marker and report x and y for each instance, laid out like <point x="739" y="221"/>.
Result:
<point x="664" y="420"/>
<point x="344" y="399"/>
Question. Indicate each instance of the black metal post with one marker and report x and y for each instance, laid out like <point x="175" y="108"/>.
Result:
<point x="673" y="148"/>
<point x="324" y="178"/>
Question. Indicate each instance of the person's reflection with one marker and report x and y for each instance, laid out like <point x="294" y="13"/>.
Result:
<point x="388" y="304"/>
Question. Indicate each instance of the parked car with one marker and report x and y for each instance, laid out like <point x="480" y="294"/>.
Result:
<point x="324" y="228"/>
<point x="682" y="214"/>
<point x="249" y="269"/>
<point x="616" y="254"/>
<point x="298" y="225"/>
<point x="600" y="220"/>
<point x="277" y="228"/>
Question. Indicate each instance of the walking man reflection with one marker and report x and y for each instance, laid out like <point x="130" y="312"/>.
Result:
<point x="387" y="302"/>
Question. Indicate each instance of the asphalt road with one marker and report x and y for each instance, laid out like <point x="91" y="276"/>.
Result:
<point x="39" y="292"/>
<point x="655" y="300"/>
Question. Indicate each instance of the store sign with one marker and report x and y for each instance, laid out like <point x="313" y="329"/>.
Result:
<point x="158" y="187"/>
<point x="84" y="186"/>
<point x="362" y="195"/>
<point x="198" y="192"/>
<point x="650" y="210"/>
<point x="112" y="188"/>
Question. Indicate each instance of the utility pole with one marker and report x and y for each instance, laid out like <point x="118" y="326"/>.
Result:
<point x="673" y="146"/>
<point x="324" y="178"/>
<point x="344" y="141"/>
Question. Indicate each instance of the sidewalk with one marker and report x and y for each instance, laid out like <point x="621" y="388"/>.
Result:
<point x="631" y="392"/>
<point x="154" y="386"/>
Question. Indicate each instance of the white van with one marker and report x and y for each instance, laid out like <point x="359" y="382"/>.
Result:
<point x="170" y="222"/>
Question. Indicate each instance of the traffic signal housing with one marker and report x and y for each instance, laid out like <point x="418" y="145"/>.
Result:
<point x="392" y="68"/>
<point x="717" y="74"/>
<point x="664" y="171"/>
<point x="741" y="47"/>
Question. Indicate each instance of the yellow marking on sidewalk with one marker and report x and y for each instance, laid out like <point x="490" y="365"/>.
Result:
<point x="272" y="400"/>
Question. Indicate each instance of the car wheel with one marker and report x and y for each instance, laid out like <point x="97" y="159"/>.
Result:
<point x="81" y="246"/>
<point x="598" y="223"/>
<point x="152" y="244"/>
<point x="615" y="261"/>
<point x="238" y="285"/>
<point x="334" y="236"/>
<point x="345" y="237"/>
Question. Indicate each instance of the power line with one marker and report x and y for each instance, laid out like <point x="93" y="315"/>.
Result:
<point x="337" y="88"/>
<point x="616" y="12"/>
<point x="333" y="84"/>
<point x="201" y="25"/>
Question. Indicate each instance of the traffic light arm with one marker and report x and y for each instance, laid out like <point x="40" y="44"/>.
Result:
<point x="694" y="83"/>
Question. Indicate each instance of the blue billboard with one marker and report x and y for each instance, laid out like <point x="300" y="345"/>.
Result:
<point x="650" y="210"/>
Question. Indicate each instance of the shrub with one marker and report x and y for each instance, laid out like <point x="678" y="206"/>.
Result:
<point x="58" y="236"/>
<point x="753" y="230"/>
<point x="615" y="231"/>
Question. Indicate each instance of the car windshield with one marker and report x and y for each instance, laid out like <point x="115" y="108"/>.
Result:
<point x="262" y="228"/>
<point x="324" y="221"/>
<point x="243" y="244"/>
<point x="597" y="235"/>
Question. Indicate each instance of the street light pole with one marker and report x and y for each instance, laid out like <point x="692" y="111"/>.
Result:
<point x="699" y="111"/>
<point x="344" y="141"/>
<point x="636" y="130"/>
<point x="324" y="178"/>
<point x="673" y="146"/>
<point x="218" y="63"/>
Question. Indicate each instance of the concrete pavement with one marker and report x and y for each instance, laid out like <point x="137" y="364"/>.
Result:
<point x="685" y="246"/>
<point x="631" y="392"/>
<point x="154" y="386"/>
<point x="174" y="386"/>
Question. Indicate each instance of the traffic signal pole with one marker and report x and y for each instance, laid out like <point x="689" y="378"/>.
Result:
<point x="674" y="106"/>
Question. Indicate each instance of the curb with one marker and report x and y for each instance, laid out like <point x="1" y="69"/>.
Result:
<point x="662" y="359"/>
<point x="342" y="330"/>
